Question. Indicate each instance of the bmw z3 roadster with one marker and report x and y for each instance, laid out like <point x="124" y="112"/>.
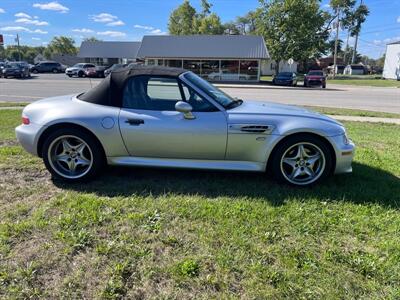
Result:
<point x="167" y="117"/>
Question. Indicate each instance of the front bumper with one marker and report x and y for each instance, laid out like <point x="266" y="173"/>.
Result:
<point x="344" y="154"/>
<point x="13" y="73"/>
<point x="71" y="72"/>
<point x="27" y="136"/>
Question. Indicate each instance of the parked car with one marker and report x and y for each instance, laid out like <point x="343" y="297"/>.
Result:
<point x="17" y="69"/>
<point x="78" y="70"/>
<point x="227" y="76"/>
<point x="315" y="78"/>
<point x="47" y="67"/>
<point x="2" y="64"/>
<point x="285" y="78"/>
<point x="169" y="117"/>
<point x="97" y="72"/>
<point x="113" y="68"/>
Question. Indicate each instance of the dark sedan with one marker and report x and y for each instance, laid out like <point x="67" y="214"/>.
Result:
<point x="315" y="78"/>
<point x="47" y="67"/>
<point x="285" y="78"/>
<point x="18" y="69"/>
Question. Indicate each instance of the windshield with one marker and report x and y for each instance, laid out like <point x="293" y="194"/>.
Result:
<point x="219" y="96"/>
<point x="317" y="73"/>
<point x="79" y="65"/>
<point x="13" y="64"/>
<point x="285" y="74"/>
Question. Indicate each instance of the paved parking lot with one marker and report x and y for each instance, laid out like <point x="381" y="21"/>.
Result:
<point x="367" y="98"/>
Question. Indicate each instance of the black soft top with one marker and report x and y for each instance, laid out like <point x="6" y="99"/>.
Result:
<point x="109" y="91"/>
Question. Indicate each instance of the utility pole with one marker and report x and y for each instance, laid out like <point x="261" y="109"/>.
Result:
<point x="356" y="42"/>
<point x="19" y="50"/>
<point x="336" y="42"/>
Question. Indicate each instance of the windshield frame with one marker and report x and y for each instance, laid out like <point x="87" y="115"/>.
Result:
<point x="316" y="73"/>
<point x="78" y="65"/>
<point x="209" y="90"/>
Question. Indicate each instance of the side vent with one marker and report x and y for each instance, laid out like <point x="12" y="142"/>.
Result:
<point x="254" y="128"/>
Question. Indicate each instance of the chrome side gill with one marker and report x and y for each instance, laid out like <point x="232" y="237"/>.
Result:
<point x="250" y="128"/>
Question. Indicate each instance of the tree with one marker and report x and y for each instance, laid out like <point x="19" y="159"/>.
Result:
<point x="331" y="47"/>
<point x="91" y="39"/>
<point x="182" y="20"/>
<point x="206" y="8"/>
<point x="292" y="28"/>
<point x="359" y="16"/>
<point x="62" y="45"/>
<point x="342" y="15"/>
<point x="210" y="25"/>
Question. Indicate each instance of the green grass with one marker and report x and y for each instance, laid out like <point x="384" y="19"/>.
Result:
<point x="366" y="82"/>
<point x="352" y="112"/>
<point x="13" y="104"/>
<point x="150" y="233"/>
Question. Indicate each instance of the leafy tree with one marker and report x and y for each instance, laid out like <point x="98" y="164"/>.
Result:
<point x="292" y="28"/>
<point x="210" y="25"/>
<point x="206" y="8"/>
<point x="30" y="55"/>
<point x="359" y="16"/>
<point x="62" y="45"/>
<point x="331" y="47"/>
<point x="91" y="39"/>
<point x="182" y="20"/>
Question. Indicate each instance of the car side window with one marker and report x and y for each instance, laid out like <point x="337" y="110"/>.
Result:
<point x="199" y="103"/>
<point x="151" y="93"/>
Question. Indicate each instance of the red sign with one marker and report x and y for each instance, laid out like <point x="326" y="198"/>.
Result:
<point x="1" y="40"/>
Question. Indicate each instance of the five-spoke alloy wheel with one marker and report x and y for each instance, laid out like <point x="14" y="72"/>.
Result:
<point x="72" y="155"/>
<point x="302" y="160"/>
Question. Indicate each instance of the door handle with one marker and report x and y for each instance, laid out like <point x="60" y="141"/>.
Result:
<point x="134" y="122"/>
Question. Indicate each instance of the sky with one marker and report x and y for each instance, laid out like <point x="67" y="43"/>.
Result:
<point x="38" y="21"/>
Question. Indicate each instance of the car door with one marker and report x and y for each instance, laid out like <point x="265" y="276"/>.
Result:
<point x="151" y="127"/>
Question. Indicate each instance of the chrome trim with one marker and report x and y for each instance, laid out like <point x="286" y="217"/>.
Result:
<point x="250" y="128"/>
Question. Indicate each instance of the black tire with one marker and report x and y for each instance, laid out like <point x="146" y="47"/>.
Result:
<point x="34" y="71"/>
<point x="80" y="74"/>
<point x="276" y="167"/>
<point x="98" y="159"/>
<point x="55" y="71"/>
<point x="324" y="86"/>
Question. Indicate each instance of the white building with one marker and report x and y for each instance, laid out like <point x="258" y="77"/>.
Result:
<point x="391" y="70"/>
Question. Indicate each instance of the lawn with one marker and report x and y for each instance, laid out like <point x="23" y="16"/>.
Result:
<point x="150" y="233"/>
<point x="364" y="80"/>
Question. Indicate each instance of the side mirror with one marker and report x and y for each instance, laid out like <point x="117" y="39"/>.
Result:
<point x="186" y="109"/>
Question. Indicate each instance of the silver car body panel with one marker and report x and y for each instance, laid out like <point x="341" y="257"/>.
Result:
<point x="241" y="138"/>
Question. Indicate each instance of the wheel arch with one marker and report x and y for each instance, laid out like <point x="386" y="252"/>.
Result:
<point x="64" y="125"/>
<point x="320" y="137"/>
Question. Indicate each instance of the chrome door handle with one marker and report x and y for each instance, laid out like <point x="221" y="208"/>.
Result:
<point x="134" y="122"/>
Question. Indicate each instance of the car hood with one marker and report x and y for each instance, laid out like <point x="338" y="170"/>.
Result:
<point x="72" y="69"/>
<point x="275" y="109"/>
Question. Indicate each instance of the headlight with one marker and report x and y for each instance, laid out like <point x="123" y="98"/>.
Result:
<point x="346" y="139"/>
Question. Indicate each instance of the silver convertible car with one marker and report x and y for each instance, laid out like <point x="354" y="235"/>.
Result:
<point x="167" y="117"/>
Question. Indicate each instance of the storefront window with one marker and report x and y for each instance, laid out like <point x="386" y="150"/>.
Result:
<point x="192" y="65"/>
<point x="210" y="69"/>
<point x="151" y="62"/>
<point x="173" y="63"/>
<point x="160" y="62"/>
<point x="248" y="70"/>
<point x="229" y="70"/>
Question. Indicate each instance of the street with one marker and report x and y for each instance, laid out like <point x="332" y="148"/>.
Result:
<point x="365" y="98"/>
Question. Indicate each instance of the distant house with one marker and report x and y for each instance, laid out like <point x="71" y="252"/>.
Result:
<point x="355" y="70"/>
<point x="391" y="69"/>
<point x="214" y="57"/>
<point x="108" y="53"/>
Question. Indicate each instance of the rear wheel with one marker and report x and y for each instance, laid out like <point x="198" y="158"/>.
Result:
<point x="81" y="74"/>
<point x="72" y="155"/>
<point x="55" y="71"/>
<point x="301" y="160"/>
<point x="34" y="71"/>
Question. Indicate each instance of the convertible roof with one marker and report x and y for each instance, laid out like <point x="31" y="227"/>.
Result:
<point x="109" y="91"/>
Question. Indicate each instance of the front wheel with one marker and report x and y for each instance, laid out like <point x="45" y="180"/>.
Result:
<point x="301" y="160"/>
<point x="72" y="155"/>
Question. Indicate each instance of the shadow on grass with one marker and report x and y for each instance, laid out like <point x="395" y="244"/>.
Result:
<point x="364" y="185"/>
